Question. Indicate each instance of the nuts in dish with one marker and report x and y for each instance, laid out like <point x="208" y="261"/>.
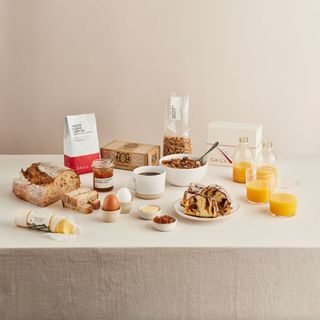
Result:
<point x="182" y="163"/>
<point x="164" y="219"/>
<point x="211" y="201"/>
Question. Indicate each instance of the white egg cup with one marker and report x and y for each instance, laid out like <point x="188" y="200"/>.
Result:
<point x="110" y="216"/>
<point x="125" y="207"/>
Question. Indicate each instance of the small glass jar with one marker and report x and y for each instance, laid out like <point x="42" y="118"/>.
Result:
<point x="102" y="175"/>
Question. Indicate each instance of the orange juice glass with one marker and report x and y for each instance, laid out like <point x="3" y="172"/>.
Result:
<point x="259" y="186"/>
<point x="284" y="199"/>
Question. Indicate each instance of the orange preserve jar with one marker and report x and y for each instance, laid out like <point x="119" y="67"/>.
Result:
<point x="102" y="175"/>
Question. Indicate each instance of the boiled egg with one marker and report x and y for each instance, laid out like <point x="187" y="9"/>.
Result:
<point x="111" y="203"/>
<point x="124" y="195"/>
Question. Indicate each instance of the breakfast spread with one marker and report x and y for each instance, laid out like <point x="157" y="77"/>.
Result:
<point x="44" y="183"/>
<point x="207" y="202"/>
<point x="102" y="175"/>
<point x="81" y="144"/>
<point x="44" y="221"/>
<point x="182" y="163"/>
<point x="131" y="155"/>
<point x="83" y="200"/>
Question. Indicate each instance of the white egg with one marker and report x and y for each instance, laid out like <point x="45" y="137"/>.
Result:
<point x="124" y="195"/>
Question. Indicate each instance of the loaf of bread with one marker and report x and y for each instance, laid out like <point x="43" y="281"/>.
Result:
<point x="83" y="200"/>
<point x="44" y="183"/>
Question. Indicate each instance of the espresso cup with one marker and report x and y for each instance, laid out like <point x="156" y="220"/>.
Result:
<point x="148" y="181"/>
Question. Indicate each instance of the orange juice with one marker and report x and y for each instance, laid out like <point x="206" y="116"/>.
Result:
<point x="239" y="171"/>
<point x="283" y="204"/>
<point x="258" y="191"/>
<point x="264" y="172"/>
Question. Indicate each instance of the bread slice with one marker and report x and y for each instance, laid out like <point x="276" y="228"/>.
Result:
<point x="44" y="183"/>
<point x="83" y="200"/>
<point x="202" y="206"/>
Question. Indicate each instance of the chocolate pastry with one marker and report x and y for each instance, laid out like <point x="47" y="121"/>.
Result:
<point x="200" y="205"/>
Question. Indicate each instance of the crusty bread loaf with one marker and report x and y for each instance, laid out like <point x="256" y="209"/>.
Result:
<point x="83" y="200"/>
<point x="43" y="183"/>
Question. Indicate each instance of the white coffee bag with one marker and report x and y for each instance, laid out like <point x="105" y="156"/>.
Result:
<point x="81" y="144"/>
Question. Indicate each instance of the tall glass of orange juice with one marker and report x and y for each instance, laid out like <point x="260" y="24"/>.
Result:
<point x="259" y="186"/>
<point x="284" y="199"/>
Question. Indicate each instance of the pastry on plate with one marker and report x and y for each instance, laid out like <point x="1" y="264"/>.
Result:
<point x="193" y="188"/>
<point x="221" y="196"/>
<point x="200" y="205"/>
<point x="206" y="201"/>
<point x="43" y="183"/>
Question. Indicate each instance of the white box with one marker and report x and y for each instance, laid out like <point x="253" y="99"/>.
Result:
<point x="228" y="134"/>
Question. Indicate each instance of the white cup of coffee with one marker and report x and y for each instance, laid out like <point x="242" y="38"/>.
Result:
<point x="149" y="182"/>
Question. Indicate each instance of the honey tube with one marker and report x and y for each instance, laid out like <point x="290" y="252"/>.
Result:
<point x="44" y="221"/>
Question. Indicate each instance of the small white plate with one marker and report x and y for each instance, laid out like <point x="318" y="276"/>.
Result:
<point x="180" y="211"/>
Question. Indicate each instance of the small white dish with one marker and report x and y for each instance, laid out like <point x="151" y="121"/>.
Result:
<point x="110" y="216"/>
<point x="180" y="211"/>
<point x="165" y="226"/>
<point x="183" y="177"/>
<point x="149" y="215"/>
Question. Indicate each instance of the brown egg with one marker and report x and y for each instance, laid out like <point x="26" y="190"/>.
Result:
<point x="111" y="203"/>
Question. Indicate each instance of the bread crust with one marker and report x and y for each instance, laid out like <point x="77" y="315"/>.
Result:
<point x="40" y="191"/>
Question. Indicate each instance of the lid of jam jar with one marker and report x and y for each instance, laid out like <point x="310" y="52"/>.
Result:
<point x="102" y="163"/>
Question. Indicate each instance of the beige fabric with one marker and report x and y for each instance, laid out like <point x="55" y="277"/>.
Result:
<point x="154" y="283"/>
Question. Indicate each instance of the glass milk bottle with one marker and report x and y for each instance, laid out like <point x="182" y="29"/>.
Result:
<point x="267" y="160"/>
<point x="242" y="159"/>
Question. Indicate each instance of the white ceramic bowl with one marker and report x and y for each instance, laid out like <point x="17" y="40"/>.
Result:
<point x="183" y="177"/>
<point x="165" y="226"/>
<point x="149" y="215"/>
<point x="110" y="216"/>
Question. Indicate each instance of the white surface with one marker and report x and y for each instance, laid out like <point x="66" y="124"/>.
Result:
<point x="180" y="211"/>
<point x="251" y="226"/>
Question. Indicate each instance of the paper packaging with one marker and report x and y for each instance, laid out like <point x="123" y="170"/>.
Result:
<point x="228" y="134"/>
<point x="130" y="155"/>
<point x="81" y="144"/>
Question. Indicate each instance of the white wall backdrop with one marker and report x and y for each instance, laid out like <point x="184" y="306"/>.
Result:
<point x="241" y="60"/>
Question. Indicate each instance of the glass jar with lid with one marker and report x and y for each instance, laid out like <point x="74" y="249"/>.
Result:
<point x="102" y="175"/>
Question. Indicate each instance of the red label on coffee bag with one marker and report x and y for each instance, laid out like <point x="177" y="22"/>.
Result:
<point x="81" y="164"/>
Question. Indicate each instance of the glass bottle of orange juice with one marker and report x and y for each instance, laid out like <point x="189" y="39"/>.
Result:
<point x="242" y="159"/>
<point x="267" y="161"/>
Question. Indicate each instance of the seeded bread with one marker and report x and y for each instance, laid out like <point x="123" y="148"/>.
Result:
<point x="43" y="183"/>
<point x="83" y="200"/>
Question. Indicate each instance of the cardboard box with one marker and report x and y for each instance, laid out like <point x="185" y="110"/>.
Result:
<point x="228" y="134"/>
<point x="131" y="155"/>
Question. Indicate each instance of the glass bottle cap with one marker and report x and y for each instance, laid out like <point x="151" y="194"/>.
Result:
<point x="243" y="140"/>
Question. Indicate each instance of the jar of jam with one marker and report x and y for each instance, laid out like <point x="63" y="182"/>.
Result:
<point x="102" y="175"/>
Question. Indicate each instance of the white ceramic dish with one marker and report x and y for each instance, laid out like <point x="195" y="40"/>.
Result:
<point x="183" y="177"/>
<point x="149" y="215"/>
<point x="165" y="226"/>
<point x="110" y="216"/>
<point x="180" y="211"/>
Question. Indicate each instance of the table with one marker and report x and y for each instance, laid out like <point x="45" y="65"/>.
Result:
<point x="250" y="266"/>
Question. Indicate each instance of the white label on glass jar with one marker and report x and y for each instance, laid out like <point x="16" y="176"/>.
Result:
<point x="39" y="220"/>
<point x="103" y="183"/>
<point x="175" y="111"/>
